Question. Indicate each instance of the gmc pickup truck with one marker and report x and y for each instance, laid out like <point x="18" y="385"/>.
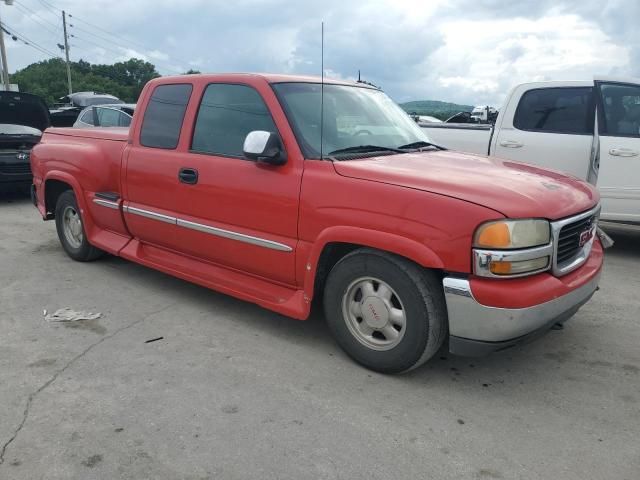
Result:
<point x="280" y="190"/>
<point x="590" y="129"/>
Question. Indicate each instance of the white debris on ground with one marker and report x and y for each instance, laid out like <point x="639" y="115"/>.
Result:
<point x="68" y="315"/>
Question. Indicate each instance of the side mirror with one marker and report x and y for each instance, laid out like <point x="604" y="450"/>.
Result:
<point x="264" y="147"/>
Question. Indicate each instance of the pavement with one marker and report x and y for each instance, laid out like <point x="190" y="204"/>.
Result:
<point x="233" y="391"/>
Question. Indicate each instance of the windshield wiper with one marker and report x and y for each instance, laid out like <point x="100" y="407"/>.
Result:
<point x="420" y="144"/>
<point x="366" y="148"/>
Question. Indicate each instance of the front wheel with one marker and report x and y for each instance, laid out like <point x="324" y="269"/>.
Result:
<point x="71" y="231"/>
<point x="386" y="312"/>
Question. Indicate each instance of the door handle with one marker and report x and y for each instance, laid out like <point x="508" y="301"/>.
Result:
<point x="188" y="175"/>
<point x="511" y="144"/>
<point x="623" y="152"/>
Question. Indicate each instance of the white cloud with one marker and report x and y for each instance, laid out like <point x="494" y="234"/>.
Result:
<point x="486" y="57"/>
<point x="455" y="50"/>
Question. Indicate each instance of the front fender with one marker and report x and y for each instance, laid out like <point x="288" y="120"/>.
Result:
<point x="389" y="242"/>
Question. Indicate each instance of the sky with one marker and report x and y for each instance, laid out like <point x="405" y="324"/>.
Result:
<point x="464" y="51"/>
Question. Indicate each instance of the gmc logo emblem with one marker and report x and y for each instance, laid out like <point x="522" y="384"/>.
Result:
<point x="586" y="236"/>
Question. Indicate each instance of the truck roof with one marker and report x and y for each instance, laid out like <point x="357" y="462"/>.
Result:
<point x="269" y="77"/>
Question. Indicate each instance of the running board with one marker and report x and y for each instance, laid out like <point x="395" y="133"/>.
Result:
<point x="284" y="300"/>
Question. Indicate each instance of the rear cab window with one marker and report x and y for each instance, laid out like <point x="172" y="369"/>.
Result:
<point x="163" y="117"/>
<point x="568" y="110"/>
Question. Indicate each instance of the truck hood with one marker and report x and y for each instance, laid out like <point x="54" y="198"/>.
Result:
<point x="18" y="108"/>
<point x="516" y="190"/>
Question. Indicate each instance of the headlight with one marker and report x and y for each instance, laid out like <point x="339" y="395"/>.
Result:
<point x="512" y="248"/>
<point x="510" y="234"/>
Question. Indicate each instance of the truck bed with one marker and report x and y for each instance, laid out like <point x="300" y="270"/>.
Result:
<point x="120" y="134"/>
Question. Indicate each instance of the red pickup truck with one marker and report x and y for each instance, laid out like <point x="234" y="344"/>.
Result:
<point x="280" y="190"/>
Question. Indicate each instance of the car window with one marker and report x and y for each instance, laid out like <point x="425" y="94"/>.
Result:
<point x="124" y="120"/>
<point x="108" y="117"/>
<point x="226" y="115"/>
<point x="164" y="114"/>
<point x="87" y="117"/>
<point x="556" y="110"/>
<point x="621" y="105"/>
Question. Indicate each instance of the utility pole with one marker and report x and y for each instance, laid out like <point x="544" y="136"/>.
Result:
<point x="66" y="50"/>
<point x="3" y="55"/>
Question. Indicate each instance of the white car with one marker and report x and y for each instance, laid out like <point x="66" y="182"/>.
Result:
<point x="590" y="129"/>
<point x="108" y="115"/>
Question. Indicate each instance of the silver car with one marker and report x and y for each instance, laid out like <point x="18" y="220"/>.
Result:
<point x="109" y="115"/>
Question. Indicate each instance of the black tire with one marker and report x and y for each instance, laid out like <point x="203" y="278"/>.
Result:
<point x="421" y="298"/>
<point x="83" y="251"/>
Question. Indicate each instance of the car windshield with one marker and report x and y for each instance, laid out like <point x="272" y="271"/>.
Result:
<point x="354" y="119"/>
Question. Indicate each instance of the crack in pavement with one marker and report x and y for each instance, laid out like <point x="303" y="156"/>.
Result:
<point x="33" y="395"/>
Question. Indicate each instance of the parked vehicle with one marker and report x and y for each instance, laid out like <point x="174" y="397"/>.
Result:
<point x="116" y="115"/>
<point x="483" y="114"/>
<point x="460" y="117"/>
<point x="554" y="124"/>
<point x="240" y="183"/>
<point x="23" y="117"/>
<point x="66" y="111"/>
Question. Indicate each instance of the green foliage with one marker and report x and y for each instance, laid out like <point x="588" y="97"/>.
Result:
<point x="48" y="78"/>
<point x="435" y="108"/>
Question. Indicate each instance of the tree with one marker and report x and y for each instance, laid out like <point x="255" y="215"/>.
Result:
<point x="48" y="78"/>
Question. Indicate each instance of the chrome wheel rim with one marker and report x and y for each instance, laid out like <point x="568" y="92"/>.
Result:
<point x="374" y="313"/>
<point x="72" y="227"/>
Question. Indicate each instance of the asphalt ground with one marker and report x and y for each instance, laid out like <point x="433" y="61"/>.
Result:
<point x="233" y="391"/>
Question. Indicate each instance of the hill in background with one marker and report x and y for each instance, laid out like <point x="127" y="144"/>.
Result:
<point x="435" y="108"/>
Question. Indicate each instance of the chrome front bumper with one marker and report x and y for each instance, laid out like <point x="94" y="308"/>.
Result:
<point x="476" y="329"/>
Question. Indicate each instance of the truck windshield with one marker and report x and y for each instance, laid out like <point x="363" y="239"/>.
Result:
<point x="353" y="118"/>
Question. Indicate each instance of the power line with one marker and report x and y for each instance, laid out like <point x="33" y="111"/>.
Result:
<point x="27" y="41"/>
<point x="50" y="7"/>
<point x="108" y="32"/>
<point x="34" y="17"/>
<point x="124" y="43"/>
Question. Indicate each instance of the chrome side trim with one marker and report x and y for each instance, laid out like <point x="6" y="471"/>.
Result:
<point x="149" y="214"/>
<point x="581" y="257"/>
<point x="106" y="203"/>
<point x="470" y="319"/>
<point x="218" y="232"/>
<point x="241" y="237"/>
<point x="482" y="259"/>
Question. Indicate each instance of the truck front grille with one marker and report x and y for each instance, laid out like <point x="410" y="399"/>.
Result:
<point x="573" y="238"/>
<point x="15" y="168"/>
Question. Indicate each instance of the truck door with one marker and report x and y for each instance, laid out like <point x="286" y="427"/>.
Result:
<point x="151" y="177"/>
<point x="233" y="211"/>
<point x="619" y="129"/>
<point x="549" y="126"/>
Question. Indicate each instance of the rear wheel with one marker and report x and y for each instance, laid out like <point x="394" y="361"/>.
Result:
<point x="386" y="312"/>
<point x="71" y="231"/>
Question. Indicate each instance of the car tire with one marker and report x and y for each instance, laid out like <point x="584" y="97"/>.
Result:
<point x="386" y="312"/>
<point x="71" y="231"/>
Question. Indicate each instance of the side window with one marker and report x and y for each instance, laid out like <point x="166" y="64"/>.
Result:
<point x="621" y="105"/>
<point x="163" y="117"/>
<point x="226" y="115"/>
<point x="108" y="117"/>
<point x="87" y="117"/>
<point x="556" y="110"/>
<point x="124" y="120"/>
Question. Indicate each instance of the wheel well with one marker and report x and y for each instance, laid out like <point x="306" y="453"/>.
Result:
<point x="52" y="190"/>
<point x="331" y="254"/>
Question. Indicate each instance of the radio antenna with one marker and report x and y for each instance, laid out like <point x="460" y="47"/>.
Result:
<point x="321" y="88"/>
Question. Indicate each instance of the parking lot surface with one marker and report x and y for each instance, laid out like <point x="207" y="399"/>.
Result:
<point x="234" y="391"/>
